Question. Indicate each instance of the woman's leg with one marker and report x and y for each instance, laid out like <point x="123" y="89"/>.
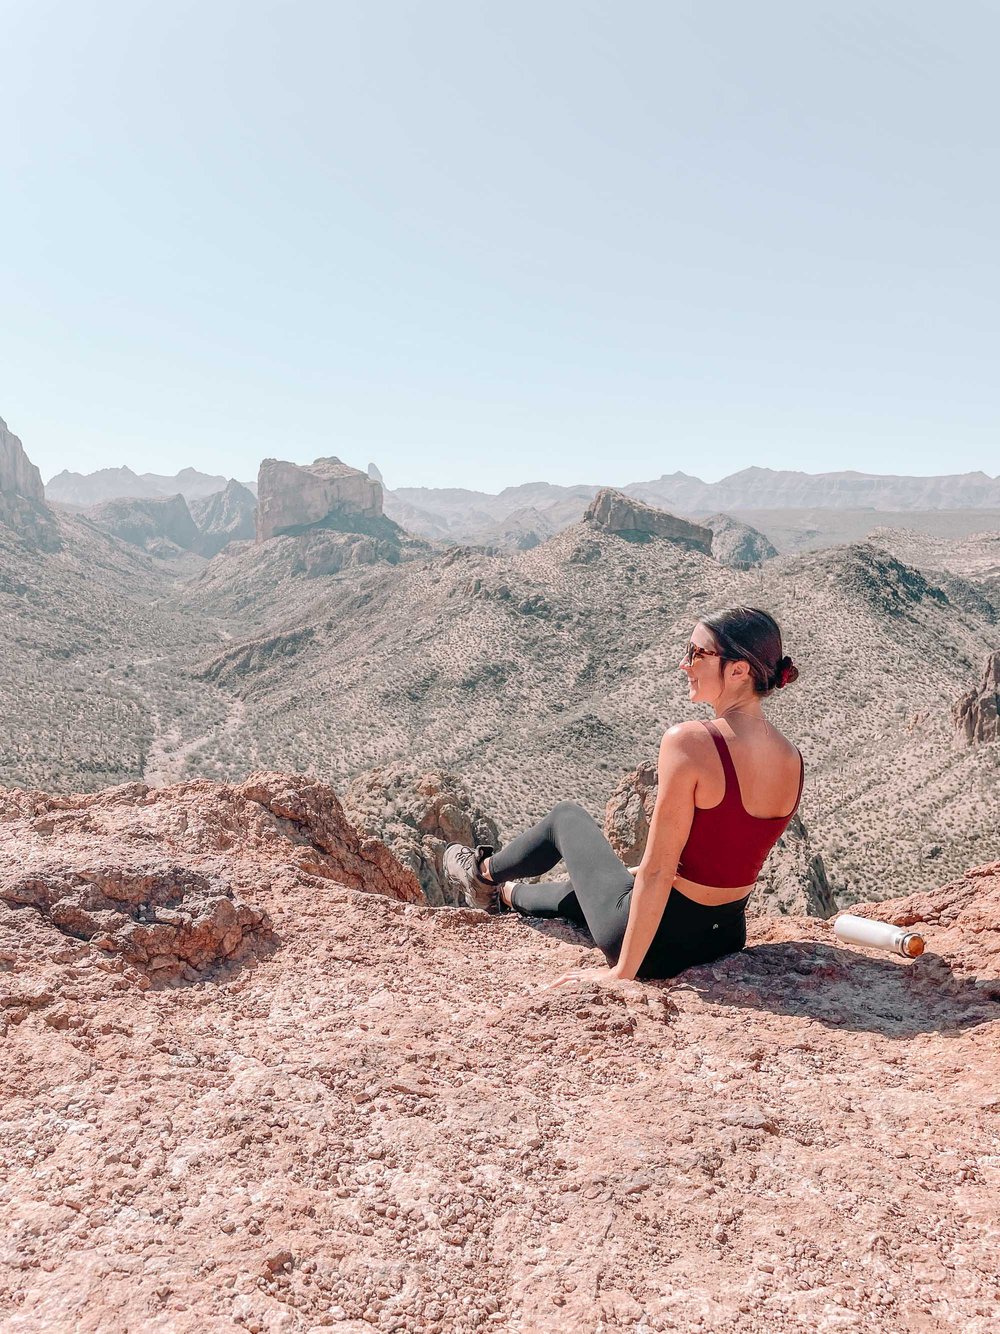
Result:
<point x="552" y="898"/>
<point x="598" y="881"/>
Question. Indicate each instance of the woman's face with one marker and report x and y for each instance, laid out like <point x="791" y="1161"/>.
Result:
<point x="704" y="674"/>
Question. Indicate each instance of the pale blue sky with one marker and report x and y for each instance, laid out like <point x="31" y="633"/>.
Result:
<point x="485" y="243"/>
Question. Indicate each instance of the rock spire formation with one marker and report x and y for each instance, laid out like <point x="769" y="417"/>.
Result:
<point x="292" y="497"/>
<point x="977" y="714"/>
<point x="18" y="475"/>
<point x="637" y="521"/>
<point x="22" y="497"/>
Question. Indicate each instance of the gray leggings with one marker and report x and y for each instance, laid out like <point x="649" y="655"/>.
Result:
<point x="598" y="895"/>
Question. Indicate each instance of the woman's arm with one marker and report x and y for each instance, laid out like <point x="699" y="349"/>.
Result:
<point x="677" y="777"/>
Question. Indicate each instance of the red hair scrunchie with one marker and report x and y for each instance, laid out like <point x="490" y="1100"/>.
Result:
<point x="786" y="672"/>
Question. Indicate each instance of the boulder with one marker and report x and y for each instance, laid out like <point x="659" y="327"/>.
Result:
<point x="291" y="498"/>
<point x="629" y="811"/>
<point x="416" y="814"/>
<point x="635" y="520"/>
<point x="159" y="917"/>
<point x="793" y="880"/>
<point x="977" y="714"/>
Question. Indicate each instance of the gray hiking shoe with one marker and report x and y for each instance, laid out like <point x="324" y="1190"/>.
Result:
<point x="461" y="868"/>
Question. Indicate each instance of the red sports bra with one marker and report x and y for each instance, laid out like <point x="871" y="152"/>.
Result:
<point x="727" y="846"/>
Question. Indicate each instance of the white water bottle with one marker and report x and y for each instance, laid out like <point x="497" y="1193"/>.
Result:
<point x="879" y="935"/>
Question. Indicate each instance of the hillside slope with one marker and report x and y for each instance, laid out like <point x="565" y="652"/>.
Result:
<point x="549" y="673"/>
<point x="535" y="676"/>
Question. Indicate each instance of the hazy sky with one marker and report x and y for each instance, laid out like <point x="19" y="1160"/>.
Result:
<point x="485" y="243"/>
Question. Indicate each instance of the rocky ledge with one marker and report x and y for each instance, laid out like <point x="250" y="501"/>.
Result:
<point x="376" y="1118"/>
<point x="638" y="522"/>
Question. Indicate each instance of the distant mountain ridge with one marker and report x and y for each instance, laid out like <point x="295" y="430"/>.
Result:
<point x="443" y="512"/>
<point x="454" y="511"/>
<point x="85" y="489"/>
<point x="769" y="488"/>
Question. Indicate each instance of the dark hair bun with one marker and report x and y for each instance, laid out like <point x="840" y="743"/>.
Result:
<point x="786" y="672"/>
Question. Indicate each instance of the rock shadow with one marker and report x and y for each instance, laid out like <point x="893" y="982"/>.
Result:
<point x="844" y="989"/>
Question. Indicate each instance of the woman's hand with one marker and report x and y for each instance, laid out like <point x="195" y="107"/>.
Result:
<point x="605" y="976"/>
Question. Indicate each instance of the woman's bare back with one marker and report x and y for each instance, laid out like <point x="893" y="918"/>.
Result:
<point x="768" y="769"/>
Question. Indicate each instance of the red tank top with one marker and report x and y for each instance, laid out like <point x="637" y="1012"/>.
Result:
<point x="727" y="846"/>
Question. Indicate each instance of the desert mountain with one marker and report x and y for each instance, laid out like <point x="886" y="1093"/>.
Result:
<point x="160" y="527"/>
<point x="169" y="526"/>
<point x="507" y="521"/>
<point x="343" y="645"/>
<point x="224" y="517"/>
<point x="737" y="544"/>
<point x="552" y="672"/>
<point x="533" y="677"/>
<point x="252" y="1081"/>
<point x="85" y="489"/>
<point x="769" y="488"/>
<point x="793" y="517"/>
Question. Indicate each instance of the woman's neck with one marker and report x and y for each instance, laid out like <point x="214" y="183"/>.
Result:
<point x="738" y="708"/>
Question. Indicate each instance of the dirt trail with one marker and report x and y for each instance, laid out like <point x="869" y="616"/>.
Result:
<point x="168" y="752"/>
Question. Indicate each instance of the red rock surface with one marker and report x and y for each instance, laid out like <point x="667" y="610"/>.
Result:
<point x="379" y="1120"/>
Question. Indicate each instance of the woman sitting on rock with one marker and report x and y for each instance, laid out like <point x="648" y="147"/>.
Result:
<point x="726" y="792"/>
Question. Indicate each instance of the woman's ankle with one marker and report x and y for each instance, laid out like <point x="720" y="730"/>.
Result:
<point x="503" y="889"/>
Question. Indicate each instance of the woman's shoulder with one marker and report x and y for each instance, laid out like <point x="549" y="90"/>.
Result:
<point x="785" y="742"/>
<point x="690" y="738"/>
<point x="695" y="739"/>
